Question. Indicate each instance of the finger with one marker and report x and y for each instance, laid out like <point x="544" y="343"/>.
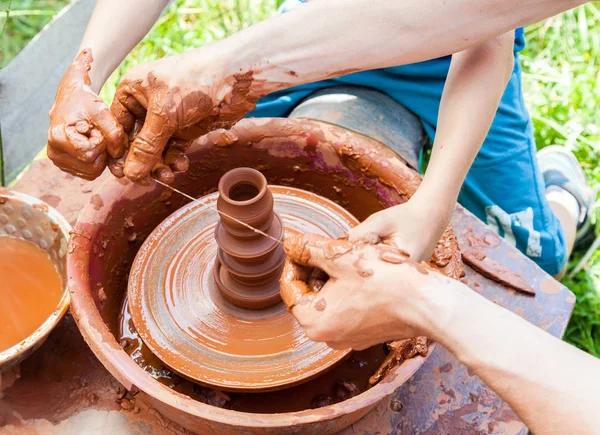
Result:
<point x="122" y="115"/>
<point x="297" y="293"/>
<point x="363" y="233"/>
<point x="392" y="255"/>
<point x="163" y="173"/>
<point x="176" y="159"/>
<point x="179" y="143"/>
<point x="135" y="102"/>
<point x="293" y="283"/>
<point x="318" y="251"/>
<point x="83" y="127"/>
<point x="84" y="58"/>
<point x="146" y="149"/>
<point x="73" y="166"/>
<point x="57" y="139"/>
<point x="114" y="136"/>
<point x="82" y="63"/>
<point x="87" y="149"/>
<point x="116" y="166"/>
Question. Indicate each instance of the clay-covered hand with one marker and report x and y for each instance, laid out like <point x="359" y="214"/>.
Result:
<point x="374" y="293"/>
<point x="414" y="226"/>
<point x="176" y="99"/>
<point x="83" y="132"/>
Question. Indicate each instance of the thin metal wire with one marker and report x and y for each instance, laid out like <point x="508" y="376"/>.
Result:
<point x="256" y="230"/>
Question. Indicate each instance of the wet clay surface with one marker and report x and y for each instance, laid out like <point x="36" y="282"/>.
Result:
<point x="183" y="318"/>
<point x="345" y="380"/>
<point x="248" y="263"/>
<point x="399" y="351"/>
<point x="474" y="254"/>
<point x="27" y="299"/>
<point x="443" y="396"/>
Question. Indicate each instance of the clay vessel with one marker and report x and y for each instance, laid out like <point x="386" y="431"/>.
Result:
<point x="249" y="264"/>
<point x="31" y="219"/>
<point x="352" y="170"/>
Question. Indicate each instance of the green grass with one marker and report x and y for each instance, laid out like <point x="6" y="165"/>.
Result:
<point x="188" y="24"/>
<point x="26" y="19"/>
<point x="561" y="66"/>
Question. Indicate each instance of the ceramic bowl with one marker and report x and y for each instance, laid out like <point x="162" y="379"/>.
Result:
<point x="25" y="217"/>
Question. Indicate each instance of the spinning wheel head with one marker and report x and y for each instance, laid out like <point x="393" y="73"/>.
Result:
<point x="186" y="319"/>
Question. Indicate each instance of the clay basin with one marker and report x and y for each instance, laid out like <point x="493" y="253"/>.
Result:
<point x="356" y="172"/>
<point x="25" y="217"/>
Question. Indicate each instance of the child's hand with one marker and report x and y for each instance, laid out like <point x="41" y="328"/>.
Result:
<point x="415" y="226"/>
<point x="83" y="132"/>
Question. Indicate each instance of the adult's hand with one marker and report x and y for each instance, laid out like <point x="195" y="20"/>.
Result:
<point x="83" y="132"/>
<point x="175" y="100"/>
<point x="375" y="293"/>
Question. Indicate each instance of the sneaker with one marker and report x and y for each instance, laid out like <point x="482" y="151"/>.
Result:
<point x="560" y="168"/>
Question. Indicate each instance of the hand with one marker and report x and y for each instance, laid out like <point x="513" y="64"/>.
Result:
<point x="415" y="226"/>
<point x="176" y="100"/>
<point x="375" y="293"/>
<point x="82" y="128"/>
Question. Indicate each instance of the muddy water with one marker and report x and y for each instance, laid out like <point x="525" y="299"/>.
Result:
<point x="30" y="289"/>
<point x="345" y="380"/>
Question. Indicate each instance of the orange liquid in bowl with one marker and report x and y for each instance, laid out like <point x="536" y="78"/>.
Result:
<point x="30" y="289"/>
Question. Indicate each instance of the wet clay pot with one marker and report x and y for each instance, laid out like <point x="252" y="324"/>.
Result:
<point x="354" y="171"/>
<point x="249" y="264"/>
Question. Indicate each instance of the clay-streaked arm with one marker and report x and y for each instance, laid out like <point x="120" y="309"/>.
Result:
<point x="328" y="38"/>
<point x="551" y="385"/>
<point x="82" y="132"/>
<point x="116" y="26"/>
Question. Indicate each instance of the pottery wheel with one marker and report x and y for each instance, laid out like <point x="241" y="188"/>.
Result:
<point x="183" y="319"/>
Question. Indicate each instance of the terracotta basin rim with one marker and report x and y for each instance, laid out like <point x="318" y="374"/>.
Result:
<point x="40" y="334"/>
<point x="104" y="345"/>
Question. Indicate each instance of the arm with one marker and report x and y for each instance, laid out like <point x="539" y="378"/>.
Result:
<point x="322" y="39"/>
<point x="82" y="131"/>
<point x="128" y="21"/>
<point x="474" y="86"/>
<point x="550" y="384"/>
<point x="329" y="38"/>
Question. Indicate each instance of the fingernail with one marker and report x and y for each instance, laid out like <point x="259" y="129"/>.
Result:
<point x="180" y="164"/>
<point x="164" y="174"/>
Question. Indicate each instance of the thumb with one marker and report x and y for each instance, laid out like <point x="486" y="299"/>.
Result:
<point x="146" y="149"/>
<point x="376" y="227"/>
<point x="365" y="232"/>
<point x="82" y="65"/>
<point x="318" y="251"/>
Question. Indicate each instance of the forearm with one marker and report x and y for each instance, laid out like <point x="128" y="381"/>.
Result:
<point x="476" y="81"/>
<point x="551" y="385"/>
<point x="116" y="27"/>
<point x="328" y="38"/>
